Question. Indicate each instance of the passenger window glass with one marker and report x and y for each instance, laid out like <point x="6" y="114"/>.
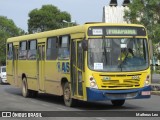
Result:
<point x="10" y="51"/>
<point x="52" y="50"/>
<point x="64" y="50"/>
<point x="32" y="49"/>
<point x="23" y="50"/>
<point x="23" y="45"/>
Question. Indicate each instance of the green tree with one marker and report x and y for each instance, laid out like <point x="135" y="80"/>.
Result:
<point x="145" y="12"/>
<point x="7" y="29"/>
<point x="49" y="17"/>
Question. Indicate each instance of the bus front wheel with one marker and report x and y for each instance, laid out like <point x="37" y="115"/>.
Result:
<point x="70" y="102"/>
<point x="118" y="102"/>
<point x="25" y="91"/>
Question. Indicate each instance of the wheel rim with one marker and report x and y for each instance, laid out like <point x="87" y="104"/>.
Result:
<point x="67" y="94"/>
<point x="24" y="88"/>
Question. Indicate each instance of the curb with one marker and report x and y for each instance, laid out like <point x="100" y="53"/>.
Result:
<point x="155" y="87"/>
<point x="155" y="93"/>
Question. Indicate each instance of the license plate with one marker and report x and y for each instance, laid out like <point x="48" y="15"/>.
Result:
<point x="146" y="93"/>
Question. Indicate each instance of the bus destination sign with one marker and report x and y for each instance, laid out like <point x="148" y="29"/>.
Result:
<point x="114" y="31"/>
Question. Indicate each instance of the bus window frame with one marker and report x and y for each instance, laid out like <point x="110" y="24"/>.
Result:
<point x="23" y="50"/>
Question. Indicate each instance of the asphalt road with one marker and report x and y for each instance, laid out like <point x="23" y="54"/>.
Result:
<point x="12" y="100"/>
<point x="156" y="78"/>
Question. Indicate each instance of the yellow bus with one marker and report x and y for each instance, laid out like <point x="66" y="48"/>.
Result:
<point x="90" y="62"/>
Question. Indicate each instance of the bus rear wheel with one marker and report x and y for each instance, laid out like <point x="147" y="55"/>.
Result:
<point x="118" y="102"/>
<point x="25" y="91"/>
<point x="70" y="102"/>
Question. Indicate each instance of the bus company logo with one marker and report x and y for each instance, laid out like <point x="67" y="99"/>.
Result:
<point x="106" y="78"/>
<point x="6" y="114"/>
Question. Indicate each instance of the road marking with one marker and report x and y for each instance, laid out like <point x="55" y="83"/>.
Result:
<point x="61" y="109"/>
<point x="45" y="105"/>
<point x="100" y="119"/>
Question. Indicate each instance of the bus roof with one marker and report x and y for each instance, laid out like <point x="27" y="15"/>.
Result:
<point x="63" y="31"/>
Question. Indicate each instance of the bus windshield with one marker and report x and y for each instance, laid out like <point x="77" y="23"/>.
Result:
<point x="4" y="69"/>
<point x="118" y="54"/>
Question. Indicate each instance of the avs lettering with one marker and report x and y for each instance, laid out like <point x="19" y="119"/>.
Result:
<point x="63" y="67"/>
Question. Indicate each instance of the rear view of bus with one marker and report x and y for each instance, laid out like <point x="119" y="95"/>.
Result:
<point x="117" y="63"/>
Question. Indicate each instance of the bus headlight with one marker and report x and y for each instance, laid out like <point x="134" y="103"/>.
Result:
<point x="147" y="81"/>
<point x="93" y="82"/>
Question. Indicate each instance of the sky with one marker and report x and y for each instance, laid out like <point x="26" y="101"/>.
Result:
<point x="81" y="11"/>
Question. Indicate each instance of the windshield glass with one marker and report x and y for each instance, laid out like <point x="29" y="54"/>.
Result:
<point x="3" y="69"/>
<point x="129" y="54"/>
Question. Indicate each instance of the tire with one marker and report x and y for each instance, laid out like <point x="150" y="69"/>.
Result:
<point x="118" y="102"/>
<point x="1" y="81"/>
<point x="68" y="101"/>
<point x="25" y="91"/>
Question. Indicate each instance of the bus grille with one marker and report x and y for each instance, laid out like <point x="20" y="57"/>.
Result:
<point x="117" y="83"/>
<point x="124" y="81"/>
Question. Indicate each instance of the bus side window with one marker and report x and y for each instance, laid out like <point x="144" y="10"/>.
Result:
<point x="32" y="49"/>
<point x="52" y="49"/>
<point x="23" y="50"/>
<point x="10" y="51"/>
<point x="64" y="50"/>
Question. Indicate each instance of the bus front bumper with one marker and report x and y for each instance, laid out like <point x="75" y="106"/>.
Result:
<point x="101" y="95"/>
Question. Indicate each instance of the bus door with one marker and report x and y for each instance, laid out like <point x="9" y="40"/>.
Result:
<point x="40" y="66"/>
<point x="15" y="65"/>
<point x="77" y="68"/>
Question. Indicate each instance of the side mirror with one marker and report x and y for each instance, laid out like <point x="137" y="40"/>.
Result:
<point x="85" y="45"/>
